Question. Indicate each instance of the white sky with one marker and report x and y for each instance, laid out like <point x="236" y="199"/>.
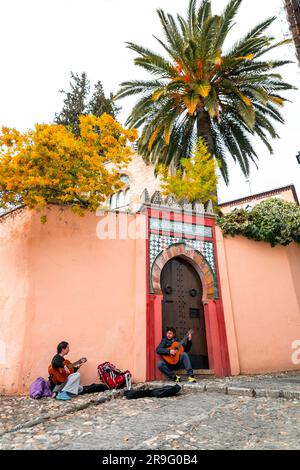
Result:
<point x="42" y="41"/>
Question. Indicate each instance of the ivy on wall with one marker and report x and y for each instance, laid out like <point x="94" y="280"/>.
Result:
<point x="273" y="220"/>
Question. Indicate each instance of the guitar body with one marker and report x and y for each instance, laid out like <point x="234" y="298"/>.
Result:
<point x="173" y="360"/>
<point x="60" y="376"/>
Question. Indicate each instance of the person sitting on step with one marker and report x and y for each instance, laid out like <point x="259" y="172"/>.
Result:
<point x="164" y="349"/>
<point x="63" y="375"/>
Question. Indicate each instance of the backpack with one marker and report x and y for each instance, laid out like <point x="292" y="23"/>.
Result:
<point x="113" y="377"/>
<point x="161" y="392"/>
<point x="40" y="388"/>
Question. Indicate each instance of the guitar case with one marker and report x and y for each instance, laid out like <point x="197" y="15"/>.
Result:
<point x="94" y="388"/>
<point x="160" y="392"/>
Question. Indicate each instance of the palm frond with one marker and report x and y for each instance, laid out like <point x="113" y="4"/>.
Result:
<point x="227" y="22"/>
<point x="192" y="17"/>
<point x="204" y="12"/>
<point x="197" y="89"/>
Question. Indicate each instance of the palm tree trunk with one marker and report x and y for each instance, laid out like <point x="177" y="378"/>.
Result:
<point x="293" y="13"/>
<point x="204" y="130"/>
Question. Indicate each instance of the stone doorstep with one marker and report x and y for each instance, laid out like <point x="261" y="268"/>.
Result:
<point x="198" y="372"/>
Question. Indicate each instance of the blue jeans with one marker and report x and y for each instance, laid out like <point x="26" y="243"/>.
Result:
<point x="184" y="363"/>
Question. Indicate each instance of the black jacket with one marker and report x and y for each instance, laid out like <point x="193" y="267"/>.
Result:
<point x="162" y="348"/>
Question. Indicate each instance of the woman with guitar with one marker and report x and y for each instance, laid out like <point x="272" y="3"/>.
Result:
<point x="63" y="374"/>
<point x="174" y="355"/>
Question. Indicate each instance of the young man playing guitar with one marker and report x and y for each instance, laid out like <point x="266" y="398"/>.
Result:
<point x="175" y="355"/>
<point x="63" y="375"/>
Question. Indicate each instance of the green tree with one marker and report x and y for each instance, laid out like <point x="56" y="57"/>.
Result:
<point x="78" y="102"/>
<point x="196" y="179"/>
<point x="198" y="89"/>
<point x="74" y="102"/>
<point x="274" y="221"/>
<point x="99" y="104"/>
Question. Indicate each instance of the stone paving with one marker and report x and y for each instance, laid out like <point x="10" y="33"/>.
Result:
<point x="282" y="385"/>
<point x="224" y="417"/>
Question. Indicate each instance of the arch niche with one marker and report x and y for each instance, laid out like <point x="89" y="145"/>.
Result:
<point x="217" y="351"/>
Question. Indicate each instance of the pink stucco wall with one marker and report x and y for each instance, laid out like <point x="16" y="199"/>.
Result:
<point x="72" y="279"/>
<point x="261" y="299"/>
<point x="59" y="281"/>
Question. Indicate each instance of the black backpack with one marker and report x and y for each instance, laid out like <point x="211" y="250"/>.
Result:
<point x="161" y="392"/>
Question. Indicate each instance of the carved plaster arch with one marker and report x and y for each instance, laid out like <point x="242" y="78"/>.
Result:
<point x="196" y="259"/>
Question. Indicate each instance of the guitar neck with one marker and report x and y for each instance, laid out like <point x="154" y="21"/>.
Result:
<point x="181" y="343"/>
<point x="76" y="364"/>
<point x="183" y="340"/>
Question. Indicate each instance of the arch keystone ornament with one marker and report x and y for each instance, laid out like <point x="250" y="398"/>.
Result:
<point x="196" y="259"/>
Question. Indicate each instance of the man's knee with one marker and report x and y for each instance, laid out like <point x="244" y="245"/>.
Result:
<point x="161" y="364"/>
<point x="75" y="375"/>
<point x="184" y="355"/>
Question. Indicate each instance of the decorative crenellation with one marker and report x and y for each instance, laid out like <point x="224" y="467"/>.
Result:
<point x="145" y="198"/>
<point x="170" y="202"/>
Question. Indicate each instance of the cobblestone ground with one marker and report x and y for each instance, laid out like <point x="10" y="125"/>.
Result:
<point x="192" y="420"/>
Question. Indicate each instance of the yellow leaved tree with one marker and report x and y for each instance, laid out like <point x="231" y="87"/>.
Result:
<point x="196" y="180"/>
<point x="49" y="164"/>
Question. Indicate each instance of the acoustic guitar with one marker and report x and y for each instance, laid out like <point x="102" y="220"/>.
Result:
<point x="59" y="376"/>
<point x="178" y="346"/>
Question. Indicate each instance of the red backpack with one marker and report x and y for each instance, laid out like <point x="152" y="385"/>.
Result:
<point x="113" y="377"/>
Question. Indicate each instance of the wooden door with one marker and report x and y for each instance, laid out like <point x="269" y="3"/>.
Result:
<point x="182" y="307"/>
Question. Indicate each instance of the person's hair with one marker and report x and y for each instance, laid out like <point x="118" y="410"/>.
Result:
<point x="171" y="329"/>
<point x="62" y="346"/>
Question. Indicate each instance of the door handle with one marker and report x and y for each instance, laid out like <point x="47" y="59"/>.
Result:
<point x="193" y="292"/>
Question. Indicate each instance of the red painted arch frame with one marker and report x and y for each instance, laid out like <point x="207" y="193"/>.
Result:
<point x="213" y="308"/>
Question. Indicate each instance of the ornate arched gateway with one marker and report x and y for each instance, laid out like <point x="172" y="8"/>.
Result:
<point x="182" y="306"/>
<point x="183" y="283"/>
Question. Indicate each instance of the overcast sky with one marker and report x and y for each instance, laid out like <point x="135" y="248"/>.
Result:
<point x="42" y="41"/>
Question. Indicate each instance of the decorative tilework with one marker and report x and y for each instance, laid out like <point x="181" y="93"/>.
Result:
<point x="159" y="243"/>
<point x="180" y="227"/>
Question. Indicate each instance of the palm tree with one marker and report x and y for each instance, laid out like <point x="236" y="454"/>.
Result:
<point x="198" y="90"/>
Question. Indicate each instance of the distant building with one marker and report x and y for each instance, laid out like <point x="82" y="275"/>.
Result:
<point x="136" y="177"/>
<point x="293" y="14"/>
<point x="287" y="193"/>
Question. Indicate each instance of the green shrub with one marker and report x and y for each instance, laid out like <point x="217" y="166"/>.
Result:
<point x="274" y="221"/>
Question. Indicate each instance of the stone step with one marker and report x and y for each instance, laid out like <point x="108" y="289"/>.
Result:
<point x="199" y="372"/>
